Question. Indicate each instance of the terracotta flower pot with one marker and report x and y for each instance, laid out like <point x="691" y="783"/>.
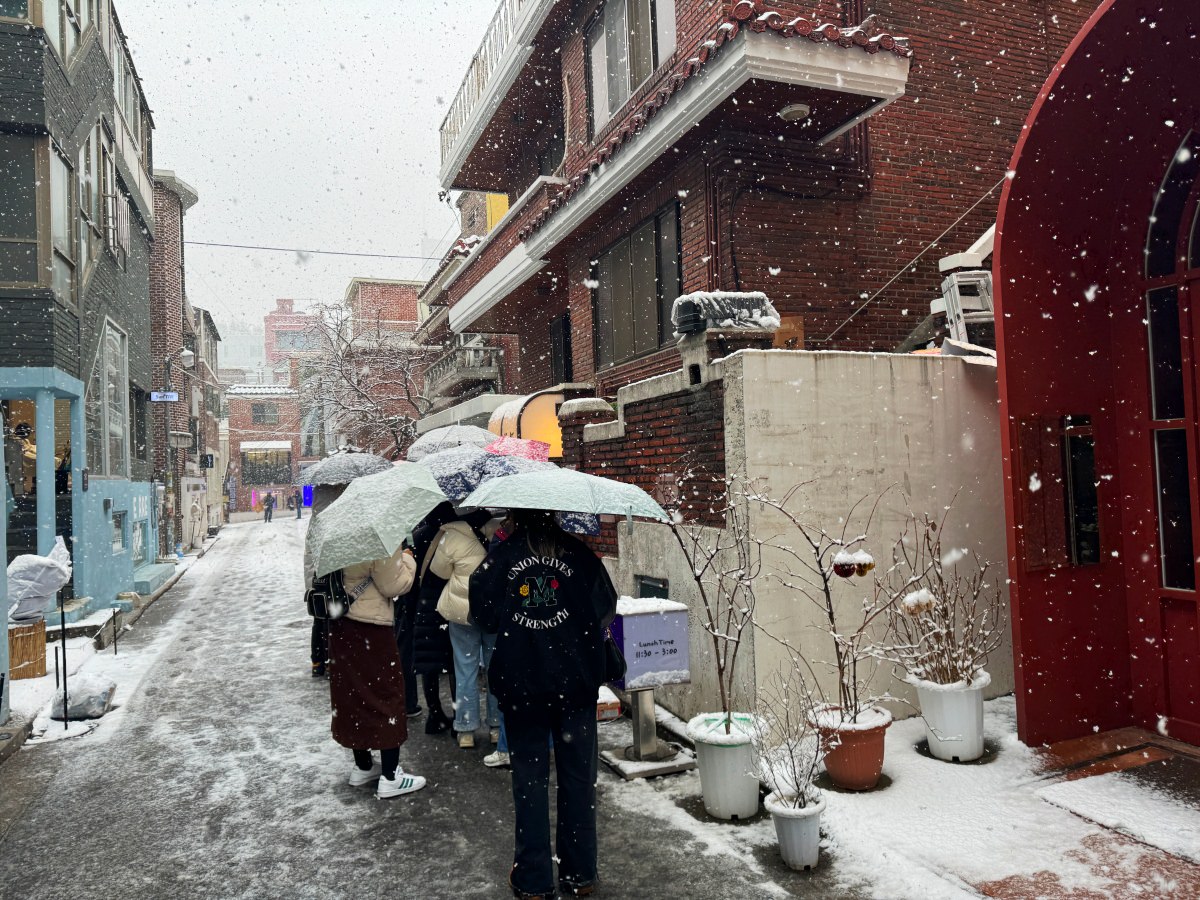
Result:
<point x="854" y="750"/>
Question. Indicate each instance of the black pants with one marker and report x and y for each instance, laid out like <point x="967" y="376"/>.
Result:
<point x="319" y="642"/>
<point x="267" y="510"/>
<point x="574" y="734"/>
<point x="389" y="761"/>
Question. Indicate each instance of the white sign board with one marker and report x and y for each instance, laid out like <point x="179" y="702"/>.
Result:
<point x="653" y="636"/>
<point x="164" y="397"/>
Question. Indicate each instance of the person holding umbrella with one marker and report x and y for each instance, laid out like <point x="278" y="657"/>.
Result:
<point x="361" y="536"/>
<point x="548" y="599"/>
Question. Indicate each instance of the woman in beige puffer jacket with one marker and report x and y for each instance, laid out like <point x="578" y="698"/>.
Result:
<point x="456" y="556"/>
<point x="366" y="680"/>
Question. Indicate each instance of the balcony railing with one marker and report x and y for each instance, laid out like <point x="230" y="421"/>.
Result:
<point x="467" y="360"/>
<point x="502" y="33"/>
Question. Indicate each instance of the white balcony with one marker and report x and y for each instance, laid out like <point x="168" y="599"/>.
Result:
<point x="506" y="47"/>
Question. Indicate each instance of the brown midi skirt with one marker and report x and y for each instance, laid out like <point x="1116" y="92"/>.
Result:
<point x="366" y="686"/>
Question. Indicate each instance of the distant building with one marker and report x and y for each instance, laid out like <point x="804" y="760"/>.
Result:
<point x="265" y="451"/>
<point x="287" y="332"/>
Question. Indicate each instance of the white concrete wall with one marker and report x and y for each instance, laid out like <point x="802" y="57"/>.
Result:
<point x="851" y="425"/>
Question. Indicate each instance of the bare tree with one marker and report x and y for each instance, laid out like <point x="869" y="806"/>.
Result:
<point x="367" y="378"/>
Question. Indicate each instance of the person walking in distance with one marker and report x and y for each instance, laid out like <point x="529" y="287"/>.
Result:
<point x="548" y="599"/>
<point x="298" y="499"/>
<point x="268" y="506"/>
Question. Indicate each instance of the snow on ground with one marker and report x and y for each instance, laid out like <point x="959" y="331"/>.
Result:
<point x="1116" y="801"/>
<point x="974" y="823"/>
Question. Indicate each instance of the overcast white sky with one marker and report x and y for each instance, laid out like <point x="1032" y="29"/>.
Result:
<point x="303" y="124"/>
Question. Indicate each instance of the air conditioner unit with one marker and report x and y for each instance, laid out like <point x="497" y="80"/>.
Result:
<point x="966" y="301"/>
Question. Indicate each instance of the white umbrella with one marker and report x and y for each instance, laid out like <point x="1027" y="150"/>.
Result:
<point x="566" y="490"/>
<point x="449" y="436"/>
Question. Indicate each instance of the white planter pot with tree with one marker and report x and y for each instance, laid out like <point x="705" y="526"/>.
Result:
<point x="946" y="617"/>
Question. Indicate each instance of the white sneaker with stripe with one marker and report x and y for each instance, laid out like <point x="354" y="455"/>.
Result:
<point x="403" y="783"/>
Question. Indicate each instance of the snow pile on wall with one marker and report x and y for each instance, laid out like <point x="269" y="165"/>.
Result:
<point x="729" y="309"/>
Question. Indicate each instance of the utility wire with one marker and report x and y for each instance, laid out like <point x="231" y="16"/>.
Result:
<point x="313" y="252"/>
<point x="912" y="262"/>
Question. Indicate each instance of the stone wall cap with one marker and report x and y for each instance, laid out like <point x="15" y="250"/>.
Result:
<point x="584" y="405"/>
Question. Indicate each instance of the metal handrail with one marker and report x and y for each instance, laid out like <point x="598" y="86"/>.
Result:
<point x="495" y="42"/>
<point x="463" y="356"/>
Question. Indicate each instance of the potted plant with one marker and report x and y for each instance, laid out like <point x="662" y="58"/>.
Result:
<point x="724" y="564"/>
<point x="945" y="620"/>
<point x="853" y="726"/>
<point x="791" y="752"/>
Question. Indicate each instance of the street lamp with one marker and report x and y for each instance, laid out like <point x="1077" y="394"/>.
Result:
<point x="173" y="440"/>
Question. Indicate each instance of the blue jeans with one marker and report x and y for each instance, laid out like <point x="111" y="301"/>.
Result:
<point x="574" y="735"/>
<point x="472" y="649"/>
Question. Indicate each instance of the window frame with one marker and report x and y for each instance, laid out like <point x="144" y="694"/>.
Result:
<point x="664" y="331"/>
<point x="71" y="255"/>
<point x="41" y="189"/>
<point x="122" y="391"/>
<point x="263" y="412"/>
<point x="24" y="19"/>
<point x="657" y="58"/>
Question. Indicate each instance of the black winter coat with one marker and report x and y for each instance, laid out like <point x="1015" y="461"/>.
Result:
<point x="431" y="638"/>
<point x="549" y="616"/>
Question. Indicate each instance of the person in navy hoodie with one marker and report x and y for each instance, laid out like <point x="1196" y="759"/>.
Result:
<point x="548" y="599"/>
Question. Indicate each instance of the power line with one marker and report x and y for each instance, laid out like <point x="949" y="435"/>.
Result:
<point x="912" y="262"/>
<point x="313" y="252"/>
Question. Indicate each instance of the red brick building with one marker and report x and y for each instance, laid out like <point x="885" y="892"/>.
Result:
<point x="286" y="332"/>
<point x="807" y="150"/>
<point x="264" y="443"/>
<point x="382" y="304"/>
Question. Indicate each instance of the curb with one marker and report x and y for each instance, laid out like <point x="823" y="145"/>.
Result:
<point x="13" y="734"/>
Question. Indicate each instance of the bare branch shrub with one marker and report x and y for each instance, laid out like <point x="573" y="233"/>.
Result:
<point x="789" y="746"/>
<point x="944" y="621"/>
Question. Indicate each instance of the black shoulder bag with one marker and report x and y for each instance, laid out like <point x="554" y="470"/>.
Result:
<point x="329" y="599"/>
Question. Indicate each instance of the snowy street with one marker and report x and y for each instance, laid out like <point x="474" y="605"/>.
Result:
<point x="216" y="776"/>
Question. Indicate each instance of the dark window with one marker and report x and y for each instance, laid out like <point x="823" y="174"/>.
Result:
<point x="263" y="467"/>
<point x="1174" y="509"/>
<point x="1165" y="223"/>
<point x="18" y="216"/>
<point x="1166" y="358"/>
<point x="140" y="413"/>
<point x="625" y="43"/>
<point x="1083" y="501"/>
<point x="636" y="282"/>
<point x="561" y="369"/>
<point x="264" y="414"/>
<point x="14" y="9"/>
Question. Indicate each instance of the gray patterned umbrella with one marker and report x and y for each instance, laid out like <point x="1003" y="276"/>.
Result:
<point x="343" y="468"/>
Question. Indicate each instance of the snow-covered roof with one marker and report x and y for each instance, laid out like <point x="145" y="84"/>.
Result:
<point x="265" y="445"/>
<point x="259" y="390"/>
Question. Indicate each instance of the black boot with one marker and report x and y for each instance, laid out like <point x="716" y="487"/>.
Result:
<point x="438" y="722"/>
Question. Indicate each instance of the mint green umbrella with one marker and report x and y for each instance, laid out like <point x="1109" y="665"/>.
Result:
<point x="566" y="490"/>
<point x="372" y="518"/>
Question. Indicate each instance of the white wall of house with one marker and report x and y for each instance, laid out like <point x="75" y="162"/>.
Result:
<point x="850" y="425"/>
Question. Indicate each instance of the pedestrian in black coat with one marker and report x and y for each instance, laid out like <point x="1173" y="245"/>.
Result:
<point x="422" y="633"/>
<point x="548" y="599"/>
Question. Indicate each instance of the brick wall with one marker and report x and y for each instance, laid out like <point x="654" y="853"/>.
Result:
<point x="387" y="304"/>
<point x="283" y="318"/>
<point x="680" y="434"/>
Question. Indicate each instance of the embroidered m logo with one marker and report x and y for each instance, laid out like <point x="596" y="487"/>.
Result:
<point x="539" y="591"/>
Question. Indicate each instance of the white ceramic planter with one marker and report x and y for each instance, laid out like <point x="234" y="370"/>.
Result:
<point x="953" y="718"/>
<point x="798" y="830"/>
<point x="728" y="765"/>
